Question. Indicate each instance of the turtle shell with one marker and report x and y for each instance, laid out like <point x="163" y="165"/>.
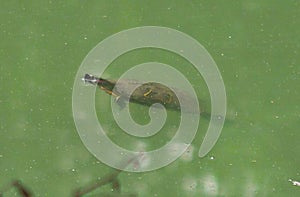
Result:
<point x="151" y="92"/>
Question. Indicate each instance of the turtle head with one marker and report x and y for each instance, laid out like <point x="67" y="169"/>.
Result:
<point x="90" y="79"/>
<point x="103" y="83"/>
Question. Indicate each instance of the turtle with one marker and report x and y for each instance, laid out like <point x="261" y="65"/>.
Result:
<point x="143" y="93"/>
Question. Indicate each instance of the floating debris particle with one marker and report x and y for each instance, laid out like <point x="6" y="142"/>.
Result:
<point x="296" y="183"/>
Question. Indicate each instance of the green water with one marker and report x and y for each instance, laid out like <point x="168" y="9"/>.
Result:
<point x="254" y="43"/>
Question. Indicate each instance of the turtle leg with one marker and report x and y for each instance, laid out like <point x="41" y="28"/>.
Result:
<point x="109" y="92"/>
<point x="120" y="100"/>
<point x="118" y="97"/>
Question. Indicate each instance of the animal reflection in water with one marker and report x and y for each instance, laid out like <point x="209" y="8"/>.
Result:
<point x="111" y="179"/>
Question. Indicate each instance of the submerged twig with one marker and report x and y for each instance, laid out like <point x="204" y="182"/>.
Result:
<point x="23" y="191"/>
<point x="109" y="179"/>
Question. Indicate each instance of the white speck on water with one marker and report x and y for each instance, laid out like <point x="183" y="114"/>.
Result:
<point x="296" y="183"/>
<point x="104" y="16"/>
<point x="73" y="170"/>
<point x="276" y="117"/>
<point x="222" y="54"/>
<point x="1" y="156"/>
<point x="272" y="101"/>
<point x="236" y="114"/>
<point x="85" y="38"/>
<point x="229" y="37"/>
<point x="212" y="158"/>
<point x="65" y="43"/>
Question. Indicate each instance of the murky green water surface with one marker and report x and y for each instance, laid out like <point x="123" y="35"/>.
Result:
<point x="255" y="45"/>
